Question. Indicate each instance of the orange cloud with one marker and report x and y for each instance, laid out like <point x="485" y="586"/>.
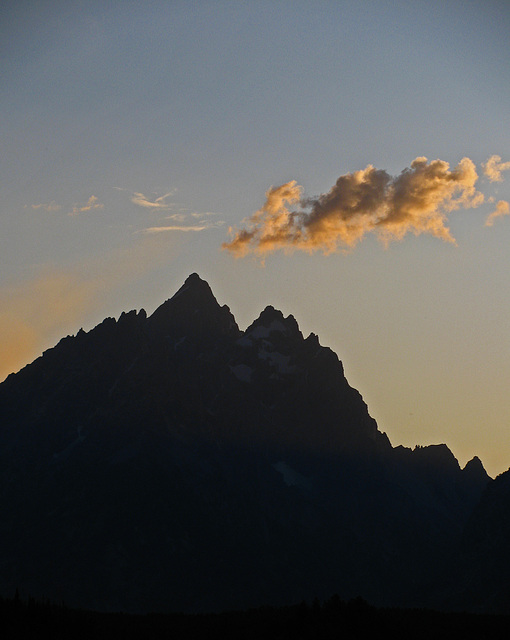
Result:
<point x="38" y="310"/>
<point x="19" y="343"/>
<point x="493" y="168"/>
<point x="502" y="209"/>
<point x="370" y="200"/>
<point x="36" y="313"/>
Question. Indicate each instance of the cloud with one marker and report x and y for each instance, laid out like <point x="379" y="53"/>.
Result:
<point x="33" y="310"/>
<point x="493" y="168"/>
<point x="158" y="203"/>
<point x="502" y="209"/>
<point x="370" y="200"/>
<point x="37" y="312"/>
<point x="49" y="206"/>
<point x="179" y="217"/>
<point x="196" y="227"/>
<point x="92" y="203"/>
<point x="19" y="343"/>
<point x="175" y="228"/>
<point x="198" y="223"/>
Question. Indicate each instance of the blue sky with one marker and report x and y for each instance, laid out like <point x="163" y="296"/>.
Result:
<point x="135" y="134"/>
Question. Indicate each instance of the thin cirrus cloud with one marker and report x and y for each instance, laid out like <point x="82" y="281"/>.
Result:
<point x="201" y="225"/>
<point x="158" y="203"/>
<point x="367" y="201"/>
<point x="198" y="222"/>
<point x="48" y="206"/>
<point x="92" y="203"/>
<point x="176" y="228"/>
<point x="77" y="208"/>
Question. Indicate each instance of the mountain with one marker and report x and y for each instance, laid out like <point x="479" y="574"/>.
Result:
<point x="482" y="564"/>
<point x="177" y="463"/>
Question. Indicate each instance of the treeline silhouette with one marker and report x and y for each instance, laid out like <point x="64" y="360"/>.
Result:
<point x="331" y="619"/>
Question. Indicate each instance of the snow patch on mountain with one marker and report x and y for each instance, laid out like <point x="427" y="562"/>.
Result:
<point x="62" y="455"/>
<point x="263" y="332"/>
<point x="242" y="372"/>
<point x="179" y="343"/>
<point x="278" y="361"/>
<point x="291" y="477"/>
<point x="244" y="341"/>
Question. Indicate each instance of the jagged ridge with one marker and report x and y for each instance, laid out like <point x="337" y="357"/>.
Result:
<point x="176" y="462"/>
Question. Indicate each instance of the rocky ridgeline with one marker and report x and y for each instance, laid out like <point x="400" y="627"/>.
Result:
<point x="177" y="463"/>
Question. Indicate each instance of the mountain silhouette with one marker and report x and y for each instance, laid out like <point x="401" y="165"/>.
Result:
<point x="176" y="463"/>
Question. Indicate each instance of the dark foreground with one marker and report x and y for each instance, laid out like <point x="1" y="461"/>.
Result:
<point x="331" y="619"/>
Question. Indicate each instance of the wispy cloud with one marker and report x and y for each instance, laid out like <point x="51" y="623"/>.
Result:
<point x="493" y="168"/>
<point x="49" y="206"/>
<point x="370" y="200"/>
<point x="179" y="217"/>
<point x="77" y="208"/>
<point x="158" y="203"/>
<point x="202" y="226"/>
<point x="92" y="203"/>
<point x="175" y="228"/>
<point x="502" y="209"/>
<point x="182" y="220"/>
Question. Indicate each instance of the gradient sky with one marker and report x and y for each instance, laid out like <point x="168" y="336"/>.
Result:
<point x="134" y="135"/>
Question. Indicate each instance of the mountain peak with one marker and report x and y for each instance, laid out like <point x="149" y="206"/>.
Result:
<point x="272" y="319"/>
<point x="475" y="470"/>
<point x="195" y="286"/>
<point x="193" y="310"/>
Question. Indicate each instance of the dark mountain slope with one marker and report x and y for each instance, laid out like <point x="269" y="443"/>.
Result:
<point x="177" y="463"/>
<point x="482" y="570"/>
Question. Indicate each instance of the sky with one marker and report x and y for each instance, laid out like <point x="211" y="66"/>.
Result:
<point x="346" y="162"/>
